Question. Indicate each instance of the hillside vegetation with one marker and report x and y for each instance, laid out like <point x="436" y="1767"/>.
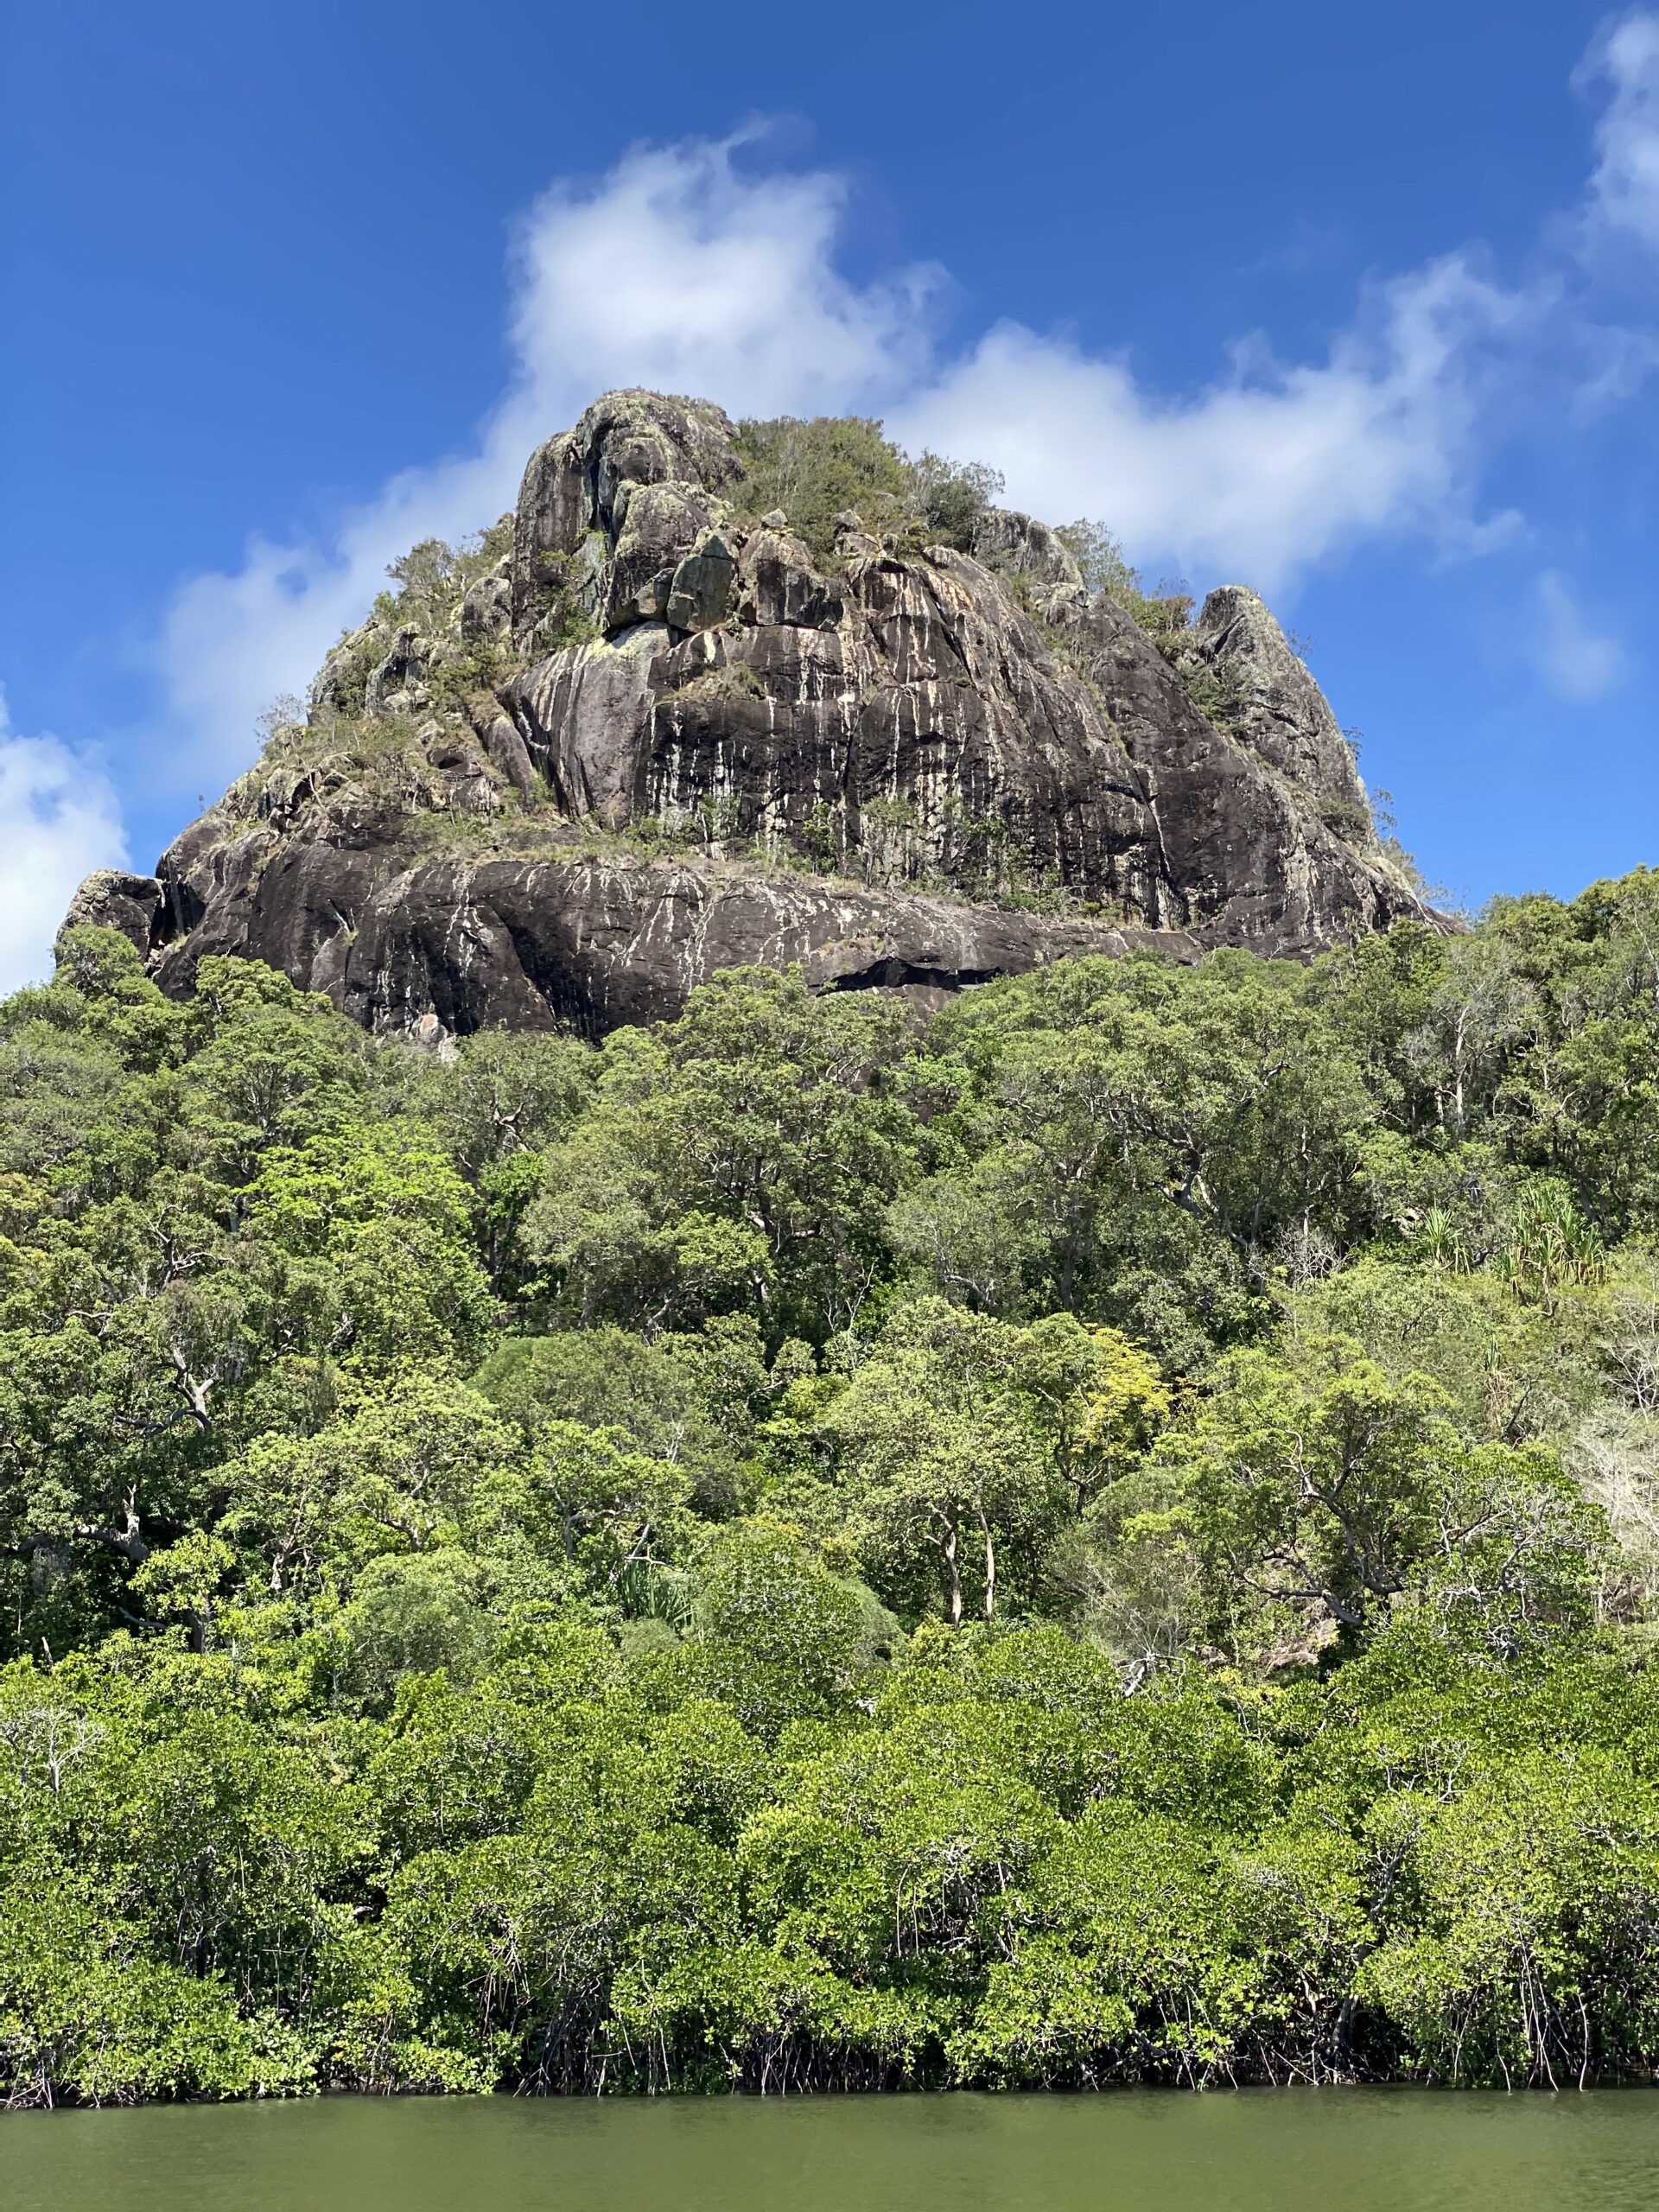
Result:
<point x="1110" y="1535"/>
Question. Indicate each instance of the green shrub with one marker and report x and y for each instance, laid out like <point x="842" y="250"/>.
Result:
<point x="818" y="469"/>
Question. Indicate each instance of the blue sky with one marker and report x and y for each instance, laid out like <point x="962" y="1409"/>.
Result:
<point x="1357" y="306"/>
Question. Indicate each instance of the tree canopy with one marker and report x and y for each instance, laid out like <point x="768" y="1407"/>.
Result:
<point x="1108" y="1534"/>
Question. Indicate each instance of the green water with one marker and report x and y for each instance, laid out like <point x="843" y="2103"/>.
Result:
<point x="1339" y="2150"/>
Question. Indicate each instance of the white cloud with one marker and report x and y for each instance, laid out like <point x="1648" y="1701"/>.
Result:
<point x="1273" y="467"/>
<point x="677" y="271"/>
<point x="59" y="818"/>
<point x="1576" y="661"/>
<point x="682" y="270"/>
<point x="1624" y="186"/>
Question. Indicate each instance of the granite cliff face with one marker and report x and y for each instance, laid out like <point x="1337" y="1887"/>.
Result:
<point x="644" y="732"/>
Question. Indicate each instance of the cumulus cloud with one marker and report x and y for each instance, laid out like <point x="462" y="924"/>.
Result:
<point x="680" y="271"/>
<point x="1274" y="465"/>
<point x="59" y="818"/>
<point x="1578" y="662"/>
<point x="677" y="270"/>
<point x="686" y="268"/>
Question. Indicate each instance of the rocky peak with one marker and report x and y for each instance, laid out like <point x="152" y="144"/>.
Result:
<point x="1005" y="539"/>
<point x="607" y="511"/>
<point x="1275" y="707"/>
<point x="668" y="717"/>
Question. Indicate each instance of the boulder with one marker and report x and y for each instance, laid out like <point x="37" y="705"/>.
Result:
<point x="110" y="899"/>
<point x="701" y="593"/>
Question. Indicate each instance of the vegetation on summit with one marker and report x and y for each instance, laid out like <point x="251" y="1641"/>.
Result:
<point x="815" y="470"/>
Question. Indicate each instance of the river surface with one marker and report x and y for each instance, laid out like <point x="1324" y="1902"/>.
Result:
<point x="1251" y="2150"/>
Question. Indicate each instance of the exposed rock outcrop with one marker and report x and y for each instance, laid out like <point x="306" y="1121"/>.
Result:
<point x="118" y="900"/>
<point x="643" y="733"/>
<point x="1277" y="709"/>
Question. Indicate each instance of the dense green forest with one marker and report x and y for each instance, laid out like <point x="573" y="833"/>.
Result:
<point x="1111" y="1533"/>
